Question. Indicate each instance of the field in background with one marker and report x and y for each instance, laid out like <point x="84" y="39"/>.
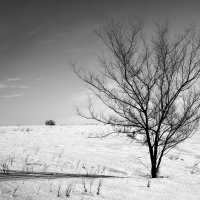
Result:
<point x="71" y="150"/>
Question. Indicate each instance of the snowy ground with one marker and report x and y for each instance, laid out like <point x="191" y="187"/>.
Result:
<point x="67" y="149"/>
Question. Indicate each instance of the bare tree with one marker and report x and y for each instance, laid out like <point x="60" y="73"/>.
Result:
<point x="150" y="85"/>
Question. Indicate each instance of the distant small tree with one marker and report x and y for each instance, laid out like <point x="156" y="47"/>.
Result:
<point x="150" y="85"/>
<point x="50" y="123"/>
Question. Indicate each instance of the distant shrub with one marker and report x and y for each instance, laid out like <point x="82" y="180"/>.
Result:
<point x="50" y="123"/>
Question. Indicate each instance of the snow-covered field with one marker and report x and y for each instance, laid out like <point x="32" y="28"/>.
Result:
<point x="71" y="150"/>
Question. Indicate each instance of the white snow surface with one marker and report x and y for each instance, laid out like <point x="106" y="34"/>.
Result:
<point x="71" y="149"/>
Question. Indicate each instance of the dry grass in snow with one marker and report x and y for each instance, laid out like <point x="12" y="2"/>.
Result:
<point x="70" y="150"/>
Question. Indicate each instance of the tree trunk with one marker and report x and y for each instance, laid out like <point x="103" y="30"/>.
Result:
<point x="154" y="170"/>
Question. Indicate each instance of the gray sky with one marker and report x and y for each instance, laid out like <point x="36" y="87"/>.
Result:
<point x="38" y="38"/>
